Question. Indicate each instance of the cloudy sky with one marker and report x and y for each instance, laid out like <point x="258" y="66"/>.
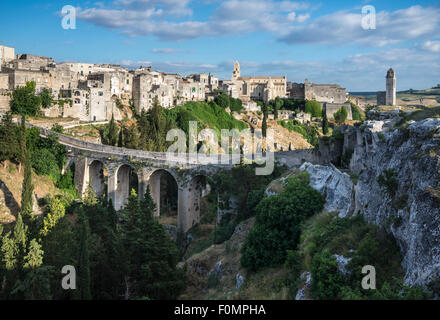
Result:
<point x="323" y="42"/>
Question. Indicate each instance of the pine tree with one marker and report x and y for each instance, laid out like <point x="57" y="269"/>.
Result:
<point x="153" y="256"/>
<point x="84" y="261"/>
<point x="34" y="257"/>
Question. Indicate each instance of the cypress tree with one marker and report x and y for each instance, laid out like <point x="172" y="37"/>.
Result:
<point x="325" y="124"/>
<point x="264" y="125"/>
<point x="27" y="190"/>
<point x="113" y="132"/>
<point x="131" y="137"/>
<point x="84" y="261"/>
<point x="121" y="138"/>
<point x="8" y="139"/>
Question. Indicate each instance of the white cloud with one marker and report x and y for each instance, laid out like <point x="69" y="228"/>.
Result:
<point x="413" y="23"/>
<point x="157" y="17"/>
<point x="433" y="46"/>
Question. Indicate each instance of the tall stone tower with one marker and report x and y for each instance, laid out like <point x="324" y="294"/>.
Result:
<point x="236" y="72"/>
<point x="390" y="98"/>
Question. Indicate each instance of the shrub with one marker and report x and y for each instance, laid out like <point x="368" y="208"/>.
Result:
<point x="341" y="115"/>
<point x="314" y="108"/>
<point x="357" y="113"/>
<point x="277" y="223"/>
<point x="328" y="281"/>
<point x="388" y="182"/>
<point x="45" y="163"/>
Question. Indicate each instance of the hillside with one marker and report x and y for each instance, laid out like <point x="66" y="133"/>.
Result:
<point x="10" y="191"/>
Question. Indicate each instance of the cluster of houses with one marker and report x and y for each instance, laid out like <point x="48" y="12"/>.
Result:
<point x="96" y="92"/>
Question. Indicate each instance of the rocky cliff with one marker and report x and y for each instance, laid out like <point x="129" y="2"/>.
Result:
<point x="397" y="169"/>
<point x="411" y="156"/>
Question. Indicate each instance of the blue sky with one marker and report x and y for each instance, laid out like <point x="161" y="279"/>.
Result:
<point x="317" y="40"/>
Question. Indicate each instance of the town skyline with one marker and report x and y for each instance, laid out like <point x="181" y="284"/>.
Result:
<point x="285" y="42"/>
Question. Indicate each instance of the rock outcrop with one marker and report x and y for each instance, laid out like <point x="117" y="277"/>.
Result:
<point x="335" y="185"/>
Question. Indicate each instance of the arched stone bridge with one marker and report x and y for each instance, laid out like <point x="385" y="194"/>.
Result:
<point x="127" y="168"/>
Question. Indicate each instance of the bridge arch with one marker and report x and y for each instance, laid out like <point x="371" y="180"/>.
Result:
<point x="126" y="180"/>
<point x="197" y="188"/>
<point x="164" y="189"/>
<point x="98" y="177"/>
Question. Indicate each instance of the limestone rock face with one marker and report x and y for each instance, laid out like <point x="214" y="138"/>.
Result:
<point x="335" y="185"/>
<point x="412" y="215"/>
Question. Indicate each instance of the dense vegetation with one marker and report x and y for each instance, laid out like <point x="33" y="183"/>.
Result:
<point x="125" y="255"/>
<point x="325" y="235"/>
<point x="277" y="224"/>
<point x="149" y="130"/>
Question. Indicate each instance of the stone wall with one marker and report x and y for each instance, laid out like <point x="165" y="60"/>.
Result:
<point x="331" y="108"/>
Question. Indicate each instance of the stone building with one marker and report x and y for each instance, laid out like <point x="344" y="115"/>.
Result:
<point x="7" y="54"/>
<point x="150" y="85"/>
<point x="388" y="97"/>
<point x="331" y="93"/>
<point x="190" y="91"/>
<point x="255" y="88"/>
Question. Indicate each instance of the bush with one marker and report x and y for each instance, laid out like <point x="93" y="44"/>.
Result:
<point x="328" y="281"/>
<point x="277" y="224"/>
<point x="224" y="232"/>
<point x="357" y="113"/>
<point x="45" y="163"/>
<point x="388" y="182"/>
<point x="341" y="115"/>
<point x="314" y="108"/>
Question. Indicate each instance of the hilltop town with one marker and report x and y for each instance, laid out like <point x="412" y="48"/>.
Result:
<point x="96" y="92"/>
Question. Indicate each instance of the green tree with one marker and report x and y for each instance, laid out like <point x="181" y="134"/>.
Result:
<point x="341" y="115"/>
<point x="314" y="108"/>
<point x="55" y="214"/>
<point x="113" y="132"/>
<point x="277" y="223"/>
<point x="8" y="139"/>
<point x="328" y="281"/>
<point x="325" y="124"/>
<point x="27" y="189"/>
<point x="131" y="137"/>
<point x="222" y="100"/>
<point x="151" y="253"/>
<point x="46" y="98"/>
<point x="264" y="125"/>
<point x="84" y="292"/>
<point x="24" y="101"/>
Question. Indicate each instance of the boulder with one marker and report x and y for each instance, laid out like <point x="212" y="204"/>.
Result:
<point x="335" y="185"/>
